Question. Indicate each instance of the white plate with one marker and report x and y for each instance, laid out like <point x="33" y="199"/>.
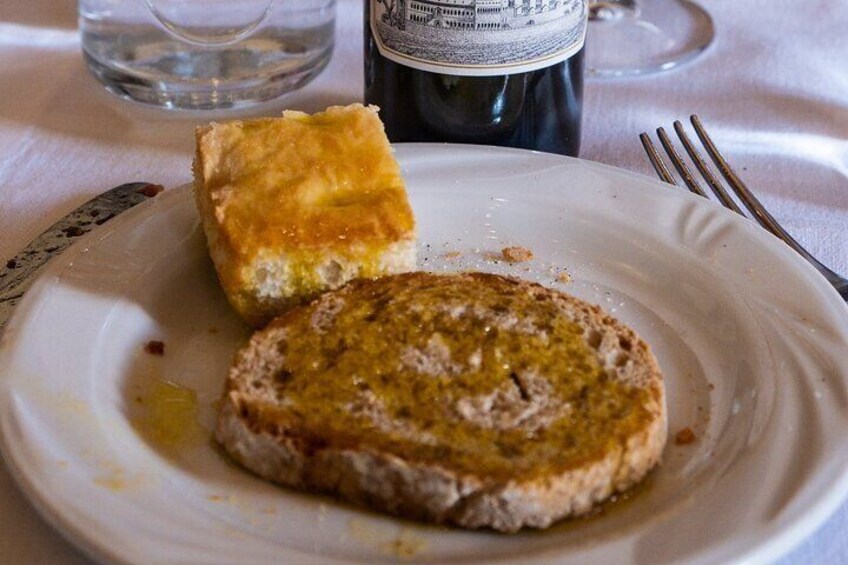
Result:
<point x="752" y="341"/>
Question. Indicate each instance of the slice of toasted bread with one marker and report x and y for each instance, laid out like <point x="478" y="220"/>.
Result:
<point x="296" y="205"/>
<point x="470" y="399"/>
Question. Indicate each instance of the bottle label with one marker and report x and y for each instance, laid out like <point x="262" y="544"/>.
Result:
<point x="478" y="37"/>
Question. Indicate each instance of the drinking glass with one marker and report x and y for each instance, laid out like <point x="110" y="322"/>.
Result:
<point x="635" y="37"/>
<point x="206" y="54"/>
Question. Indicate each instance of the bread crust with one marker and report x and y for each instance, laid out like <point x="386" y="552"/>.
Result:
<point x="260" y="437"/>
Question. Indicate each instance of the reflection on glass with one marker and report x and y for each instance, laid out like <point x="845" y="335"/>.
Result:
<point x="634" y="37"/>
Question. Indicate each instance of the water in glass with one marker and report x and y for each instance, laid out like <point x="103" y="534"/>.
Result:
<point x="202" y="54"/>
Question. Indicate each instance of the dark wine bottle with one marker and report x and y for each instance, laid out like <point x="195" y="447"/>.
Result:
<point x="494" y="72"/>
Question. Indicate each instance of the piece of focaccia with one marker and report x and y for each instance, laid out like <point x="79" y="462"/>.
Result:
<point x="296" y="205"/>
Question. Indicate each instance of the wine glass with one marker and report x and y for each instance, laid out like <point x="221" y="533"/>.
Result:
<point x="635" y="37"/>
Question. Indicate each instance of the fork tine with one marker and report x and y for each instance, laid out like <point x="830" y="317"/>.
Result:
<point x="745" y="195"/>
<point x="704" y="169"/>
<point x="678" y="163"/>
<point x="656" y="159"/>
<point x="758" y="211"/>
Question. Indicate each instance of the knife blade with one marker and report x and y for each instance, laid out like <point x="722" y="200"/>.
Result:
<point x="23" y="269"/>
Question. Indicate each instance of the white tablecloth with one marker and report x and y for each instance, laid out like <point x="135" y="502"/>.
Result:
<point x="773" y="90"/>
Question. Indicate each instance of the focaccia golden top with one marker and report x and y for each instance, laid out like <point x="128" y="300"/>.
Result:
<point x="327" y="180"/>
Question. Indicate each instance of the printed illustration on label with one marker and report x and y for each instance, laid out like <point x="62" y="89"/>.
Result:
<point x="478" y="37"/>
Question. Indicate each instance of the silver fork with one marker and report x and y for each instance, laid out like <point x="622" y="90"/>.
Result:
<point x="757" y="210"/>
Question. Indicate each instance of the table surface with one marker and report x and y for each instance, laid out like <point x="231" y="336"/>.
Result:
<point x="773" y="89"/>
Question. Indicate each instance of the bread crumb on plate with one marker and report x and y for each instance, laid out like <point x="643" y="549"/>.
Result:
<point x="685" y="437"/>
<point x="516" y="254"/>
<point x="155" y="347"/>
